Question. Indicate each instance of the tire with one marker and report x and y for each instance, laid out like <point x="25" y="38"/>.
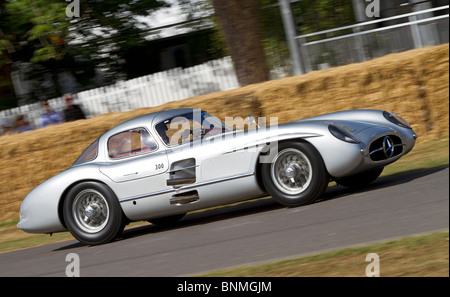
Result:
<point x="296" y="175"/>
<point x="360" y="180"/>
<point x="92" y="213"/>
<point x="167" y="221"/>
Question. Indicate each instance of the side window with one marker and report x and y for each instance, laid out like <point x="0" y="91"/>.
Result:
<point x="130" y="143"/>
<point x="89" y="154"/>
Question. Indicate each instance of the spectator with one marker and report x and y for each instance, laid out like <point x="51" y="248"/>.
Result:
<point x="6" y="127"/>
<point x="72" y="112"/>
<point x="22" y="125"/>
<point x="49" y="117"/>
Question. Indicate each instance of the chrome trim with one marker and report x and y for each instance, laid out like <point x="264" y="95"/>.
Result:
<point x="180" y="181"/>
<point x="218" y="180"/>
<point x="181" y="200"/>
<point x="187" y="187"/>
<point x="137" y="197"/>
<point x="182" y="168"/>
<point x="383" y="148"/>
<point x="130" y="174"/>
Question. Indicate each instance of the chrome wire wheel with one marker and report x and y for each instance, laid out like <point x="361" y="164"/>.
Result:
<point x="296" y="175"/>
<point x="291" y="171"/>
<point x="90" y="210"/>
<point x="92" y="213"/>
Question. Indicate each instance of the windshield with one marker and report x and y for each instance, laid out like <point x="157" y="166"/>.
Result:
<point x="89" y="154"/>
<point x="189" y="127"/>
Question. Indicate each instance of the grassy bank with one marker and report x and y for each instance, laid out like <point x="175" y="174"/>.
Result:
<point x="417" y="256"/>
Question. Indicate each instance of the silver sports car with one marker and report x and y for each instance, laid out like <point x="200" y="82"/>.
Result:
<point x="160" y="166"/>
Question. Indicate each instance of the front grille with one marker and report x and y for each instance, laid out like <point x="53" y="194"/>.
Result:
<point x="386" y="147"/>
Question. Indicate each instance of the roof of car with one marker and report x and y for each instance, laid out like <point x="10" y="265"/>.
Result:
<point x="170" y="113"/>
<point x="149" y="119"/>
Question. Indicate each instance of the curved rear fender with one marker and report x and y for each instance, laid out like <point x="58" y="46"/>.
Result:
<point x="64" y="196"/>
<point x="41" y="210"/>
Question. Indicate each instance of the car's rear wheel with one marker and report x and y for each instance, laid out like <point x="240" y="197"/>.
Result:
<point x="296" y="175"/>
<point x="92" y="213"/>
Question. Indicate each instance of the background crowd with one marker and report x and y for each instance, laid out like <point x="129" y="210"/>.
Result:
<point x="72" y="112"/>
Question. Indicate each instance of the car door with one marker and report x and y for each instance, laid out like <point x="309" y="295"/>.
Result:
<point x="199" y="171"/>
<point x="201" y="159"/>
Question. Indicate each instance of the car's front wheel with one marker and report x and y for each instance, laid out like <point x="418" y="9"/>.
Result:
<point x="92" y="213"/>
<point x="296" y="175"/>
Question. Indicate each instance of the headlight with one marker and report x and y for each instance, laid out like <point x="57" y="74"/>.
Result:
<point x="342" y="134"/>
<point x="396" y="119"/>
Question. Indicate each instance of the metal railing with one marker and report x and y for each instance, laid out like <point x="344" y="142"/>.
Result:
<point x="367" y="40"/>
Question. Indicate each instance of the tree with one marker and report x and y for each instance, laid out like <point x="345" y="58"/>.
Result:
<point x="314" y="16"/>
<point x="40" y="32"/>
<point x="240" y="24"/>
<point x="108" y="28"/>
<point x="310" y="16"/>
<point x="6" y="88"/>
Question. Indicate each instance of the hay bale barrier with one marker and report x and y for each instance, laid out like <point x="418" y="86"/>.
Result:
<point x="414" y="84"/>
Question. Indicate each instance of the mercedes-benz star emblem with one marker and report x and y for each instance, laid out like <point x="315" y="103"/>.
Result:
<point x="388" y="147"/>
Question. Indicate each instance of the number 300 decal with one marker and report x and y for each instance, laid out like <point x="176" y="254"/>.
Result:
<point x="159" y="166"/>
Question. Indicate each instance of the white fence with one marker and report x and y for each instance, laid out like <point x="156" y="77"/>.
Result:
<point x="376" y="38"/>
<point x="146" y="91"/>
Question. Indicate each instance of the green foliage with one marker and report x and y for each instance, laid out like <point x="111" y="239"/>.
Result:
<point x="313" y="16"/>
<point x="44" y="54"/>
<point x="40" y="31"/>
<point x="2" y="48"/>
<point x="44" y="25"/>
<point x="41" y="23"/>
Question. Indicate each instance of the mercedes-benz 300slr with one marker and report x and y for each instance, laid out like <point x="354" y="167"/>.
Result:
<point x="160" y="166"/>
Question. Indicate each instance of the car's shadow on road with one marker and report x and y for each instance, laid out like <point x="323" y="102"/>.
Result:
<point x="262" y="205"/>
<point x="336" y="192"/>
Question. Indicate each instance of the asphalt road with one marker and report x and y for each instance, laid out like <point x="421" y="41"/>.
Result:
<point x="260" y="231"/>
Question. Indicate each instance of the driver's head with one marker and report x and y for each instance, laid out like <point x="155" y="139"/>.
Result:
<point x="161" y="129"/>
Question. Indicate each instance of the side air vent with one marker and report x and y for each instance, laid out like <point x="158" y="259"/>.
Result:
<point x="386" y="147"/>
<point x="182" y="173"/>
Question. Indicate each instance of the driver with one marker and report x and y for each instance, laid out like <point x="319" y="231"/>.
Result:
<point x="161" y="128"/>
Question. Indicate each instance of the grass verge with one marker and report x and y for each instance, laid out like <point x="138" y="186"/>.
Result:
<point x="417" y="256"/>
